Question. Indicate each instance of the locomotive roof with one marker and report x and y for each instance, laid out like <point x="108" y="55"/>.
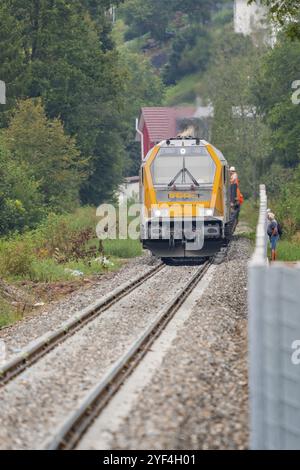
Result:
<point x="190" y="142"/>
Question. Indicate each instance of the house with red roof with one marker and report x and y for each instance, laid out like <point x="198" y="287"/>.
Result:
<point x="160" y="123"/>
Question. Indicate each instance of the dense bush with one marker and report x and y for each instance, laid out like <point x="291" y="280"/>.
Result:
<point x="190" y="53"/>
<point x="287" y="204"/>
<point x="20" y="198"/>
<point x="61" y="243"/>
<point x="16" y="257"/>
<point x="49" y="154"/>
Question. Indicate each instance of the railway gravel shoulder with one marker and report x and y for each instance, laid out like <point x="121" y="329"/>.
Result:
<point x="40" y="398"/>
<point x="199" y="397"/>
<point x="17" y="336"/>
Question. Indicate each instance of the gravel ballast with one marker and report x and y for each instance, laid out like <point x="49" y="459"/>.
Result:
<point x="35" y="403"/>
<point x="199" y="397"/>
<point x="51" y="317"/>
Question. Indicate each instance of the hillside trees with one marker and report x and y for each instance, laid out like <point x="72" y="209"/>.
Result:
<point x="286" y="14"/>
<point x="20" y="199"/>
<point x="146" y="17"/>
<point x="256" y="122"/>
<point x="98" y="10"/>
<point x="155" y="16"/>
<point x="79" y="80"/>
<point x="238" y="127"/>
<point x="272" y="94"/>
<point x="50" y="156"/>
<point x="190" y="53"/>
<point x="11" y="59"/>
<point x="143" y="87"/>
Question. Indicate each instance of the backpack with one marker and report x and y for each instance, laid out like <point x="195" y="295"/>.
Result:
<point x="279" y="229"/>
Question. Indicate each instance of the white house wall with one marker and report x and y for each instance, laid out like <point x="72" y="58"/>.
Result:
<point x="248" y="19"/>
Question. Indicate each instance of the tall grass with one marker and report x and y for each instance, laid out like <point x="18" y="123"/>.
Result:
<point x="185" y="91"/>
<point x="122" y="248"/>
<point x="249" y="213"/>
<point x="288" y="250"/>
<point x="8" y="314"/>
<point x="33" y="255"/>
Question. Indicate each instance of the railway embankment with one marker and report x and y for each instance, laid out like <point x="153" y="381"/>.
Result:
<point x="198" y="398"/>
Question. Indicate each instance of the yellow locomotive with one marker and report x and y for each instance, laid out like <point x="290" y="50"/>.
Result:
<point x="185" y="193"/>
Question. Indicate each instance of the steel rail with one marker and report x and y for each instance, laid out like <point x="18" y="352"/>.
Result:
<point x="46" y="343"/>
<point x="77" y="423"/>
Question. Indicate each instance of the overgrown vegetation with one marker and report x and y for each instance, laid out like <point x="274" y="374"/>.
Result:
<point x="61" y="54"/>
<point x="9" y="314"/>
<point x="63" y="246"/>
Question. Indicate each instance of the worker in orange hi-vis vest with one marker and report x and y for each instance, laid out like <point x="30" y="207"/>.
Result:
<point x="236" y="197"/>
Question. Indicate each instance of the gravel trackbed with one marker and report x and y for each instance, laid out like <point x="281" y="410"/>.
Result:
<point x="198" y="399"/>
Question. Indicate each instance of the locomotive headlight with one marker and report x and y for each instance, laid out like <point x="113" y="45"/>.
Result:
<point x="208" y="212"/>
<point x="163" y="212"/>
<point x="204" y="212"/>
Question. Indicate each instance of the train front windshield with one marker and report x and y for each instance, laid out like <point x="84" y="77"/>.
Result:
<point x="181" y="165"/>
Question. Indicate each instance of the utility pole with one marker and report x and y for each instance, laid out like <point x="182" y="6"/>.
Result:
<point x="2" y="92"/>
<point x="113" y="14"/>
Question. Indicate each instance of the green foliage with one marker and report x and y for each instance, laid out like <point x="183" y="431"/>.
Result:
<point x="287" y="204"/>
<point x="276" y="178"/>
<point x="20" y="199"/>
<point x="238" y="129"/>
<point x="146" y="16"/>
<point x="123" y="248"/>
<point x="47" y="270"/>
<point x="33" y="255"/>
<point x="51" y="155"/>
<point x="143" y="87"/>
<point x="272" y="93"/>
<point x="288" y="250"/>
<point x="185" y="91"/>
<point x="190" y="53"/>
<point x="249" y="213"/>
<point x="8" y="314"/>
<point x="11" y="59"/>
<point x="65" y="55"/>
<point x="151" y="16"/>
<point x="16" y="257"/>
<point x="98" y="12"/>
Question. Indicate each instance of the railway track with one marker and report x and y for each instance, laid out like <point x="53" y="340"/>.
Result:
<point x="72" y="430"/>
<point x="46" y="343"/>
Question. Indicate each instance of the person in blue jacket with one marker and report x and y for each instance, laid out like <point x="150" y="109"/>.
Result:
<point x="273" y="234"/>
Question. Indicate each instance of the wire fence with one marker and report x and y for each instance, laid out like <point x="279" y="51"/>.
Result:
<point x="274" y="346"/>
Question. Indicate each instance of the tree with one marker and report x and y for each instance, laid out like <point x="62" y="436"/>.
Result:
<point x="272" y="93"/>
<point x="11" y="60"/>
<point x="98" y="10"/>
<point x="147" y="16"/>
<point x="20" y="199"/>
<point x="190" y="53"/>
<point x="238" y="127"/>
<point x="143" y="87"/>
<point x="78" y="78"/>
<point x="197" y="11"/>
<point x="154" y="17"/>
<point x="54" y="161"/>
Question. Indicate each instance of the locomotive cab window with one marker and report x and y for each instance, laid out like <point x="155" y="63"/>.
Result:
<point x="183" y="165"/>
